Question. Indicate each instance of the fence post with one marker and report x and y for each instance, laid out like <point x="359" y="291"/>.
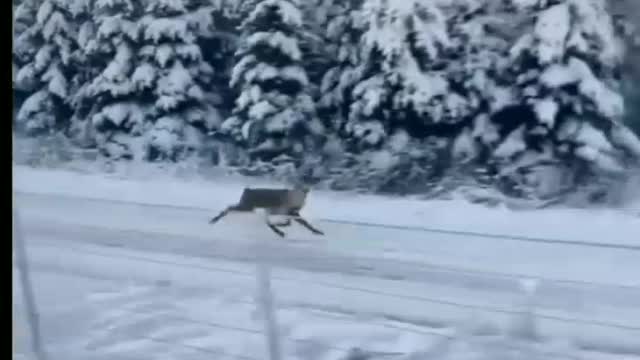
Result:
<point x="266" y="303"/>
<point x="27" y="288"/>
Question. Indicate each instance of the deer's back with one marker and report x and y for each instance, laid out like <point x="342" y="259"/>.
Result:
<point x="271" y="199"/>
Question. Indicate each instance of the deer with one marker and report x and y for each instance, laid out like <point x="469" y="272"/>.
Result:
<point x="287" y="202"/>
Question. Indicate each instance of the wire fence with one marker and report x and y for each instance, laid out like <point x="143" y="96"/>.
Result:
<point x="422" y="265"/>
<point x="331" y="285"/>
<point x="343" y="350"/>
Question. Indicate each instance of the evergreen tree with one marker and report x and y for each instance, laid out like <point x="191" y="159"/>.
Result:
<point x="274" y="115"/>
<point x="344" y="29"/>
<point x="154" y="92"/>
<point x="626" y="14"/>
<point x="185" y="101"/>
<point x="317" y="54"/>
<point x="44" y="51"/>
<point x="112" y="106"/>
<point x="566" y="72"/>
<point x="473" y="63"/>
<point x="403" y="83"/>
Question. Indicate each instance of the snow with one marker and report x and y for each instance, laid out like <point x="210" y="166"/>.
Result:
<point x="546" y="110"/>
<point x="371" y="92"/>
<point x="512" y="145"/>
<point x="166" y="28"/>
<point x="25" y="77"/>
<point x="43" y="57"/>
<point x="296" y="73"/>
<point x="165" y="134"/>
<point x="109" y="26"/>
<point x="387" y="22"/>
<point x="33" y="105"/>
<point x="262" y="72"/>
<point x="240" y="68"/>
<point x="245" y="129"/>
<point x="399" y="141"/>
<point x="144" y="76"/>
<point x="626" y="139"/>
<point x="381" y="160"/>
<point x="594" y="226"/>
<point x="599" y="159"/>
<point x="589" y="135"/>
<point x="282" y="121"/>
<point x="164" y="53"/>
<point x="485" y="130"/>
<point x="551" y="31"/>
<point x="172" y="88"/>
<point x="119" y="68"/>
<point x="371" y="132"/>
<point x="593" y="25"/>
<point x="464" y="147"/>
<point x="110" y="4"/>
<point x="557" y="75"/>
<point x="117" y="113"/>
<point x="289" y="13"/>
<point x="44" y="11"/>
<point x="189" y="52"/>
<point x="167" y="5"/>
<point x="56" y="25"/>
<point x="57" y="83"/>
<point x="277" y="39"/>
<point x="608" y="102"/>
<point x="140" y="275"/>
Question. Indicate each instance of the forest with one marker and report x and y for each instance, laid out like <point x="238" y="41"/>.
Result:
<point x="530" y="99"/>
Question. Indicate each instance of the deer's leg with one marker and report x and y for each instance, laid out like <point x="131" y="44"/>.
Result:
<point x="275" y="229"/>
<point x="272" y="226"/>
<point x="222" y="214"/>
<point x="297" y="218"/>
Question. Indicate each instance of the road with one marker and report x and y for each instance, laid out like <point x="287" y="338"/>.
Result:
<point x="113" y="273"/>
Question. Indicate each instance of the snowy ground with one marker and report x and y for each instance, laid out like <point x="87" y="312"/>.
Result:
<point x="129" y="269"/>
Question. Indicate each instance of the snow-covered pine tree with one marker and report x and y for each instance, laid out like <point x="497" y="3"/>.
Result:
<point x="567" y="75"/>
<point x="403" y="84"/>
<point x="395" y="91"/>
<point x="24" y="16"/>
<point x="219" y="46"/>
<point x="626" y="14"/>
<point x="113" y="102"/>
<point x="474" y="61"/>
<point x="44" y="48"/>
<point x="274" y="115"/>
<point x="479" y="38"/>
<point x="154" y="92"/>
<point x="172" y="65"/>
<point x="343" y="30"/>
<point x="318" y="58"/>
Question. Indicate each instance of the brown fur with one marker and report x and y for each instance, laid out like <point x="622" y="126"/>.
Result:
<point x="276" y="202"/>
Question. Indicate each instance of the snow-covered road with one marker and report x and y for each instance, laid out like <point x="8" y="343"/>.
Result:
<point x="174" y="285"/>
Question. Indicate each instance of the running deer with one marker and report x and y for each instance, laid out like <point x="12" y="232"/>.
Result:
<point x="275" y="202"/>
